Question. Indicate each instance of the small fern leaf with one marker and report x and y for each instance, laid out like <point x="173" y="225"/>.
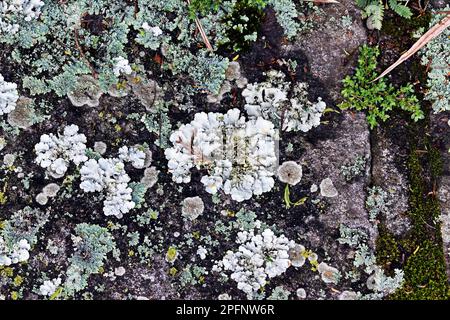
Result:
<point x="362" y="3"/>
<point x="374" y="14"/>
<point x="402" y="10"/>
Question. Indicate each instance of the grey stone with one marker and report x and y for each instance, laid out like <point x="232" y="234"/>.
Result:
<point x="386" y="174"/>
<point x="330" y="49"/>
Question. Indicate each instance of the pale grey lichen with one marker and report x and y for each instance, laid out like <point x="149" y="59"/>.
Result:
<point x="42" y="199"/>
<point x="148" y="92"/>
<point x="239" y="154"/>
<point x="51" y="190"/>
<point x="108" y="175"/>
<point x="233" y="77"/>
<point x="87" y="91"/>
<point x="8" y="96"/>
<point x="24" y="115"/>
<point x="301" y="293"/>
<point x="192" y="208"/>
<point x="328" y="274"/>
<point x="290" y="172"/>
<point x="355" y="169"/>
<point x="150" y="177"/>
<point x="55" y="153"/>
<point x="91" y="243"/>
<point x="436" y="56"/>
<point x="377" y="202"/>
<point x="19" y="233"/>
<point x="100" y="147"/>
<point x="378" y="282"/>
<point x="284" y="104"/>
<point x="327" y="188"/>
<point x="297" y="255"/>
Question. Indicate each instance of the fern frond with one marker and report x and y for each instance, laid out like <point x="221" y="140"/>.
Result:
<point x="362" y="3"/>
<point x="402" y="10"/>
<point x="374" y="14"/>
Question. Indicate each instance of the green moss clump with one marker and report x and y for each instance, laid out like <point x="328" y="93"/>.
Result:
<point x="390" y="26"/>
<point x="424" y="268"/>
<point x="425" y="274"/>
<point x="388" y="251"/>
<point x="425" y="208"/>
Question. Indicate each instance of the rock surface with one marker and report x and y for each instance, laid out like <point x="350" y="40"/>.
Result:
<point x="387" y="157"/>
<point x="331" y="49"/>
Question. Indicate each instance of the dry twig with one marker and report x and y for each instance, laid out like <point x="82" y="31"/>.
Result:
<point x="80" y="50"/>
<point x="202" y="31"/>
<point x="427" y="37"/>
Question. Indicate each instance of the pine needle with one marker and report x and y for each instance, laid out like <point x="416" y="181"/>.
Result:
<point x="427" y="37"/>
<point x="202" y="31"/>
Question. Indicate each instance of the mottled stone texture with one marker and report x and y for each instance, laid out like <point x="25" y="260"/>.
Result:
<point x="325" y="160"/>
<point x="327" y="50"/>
<point x="389" y="172"/>
<point x="331" y="48"/>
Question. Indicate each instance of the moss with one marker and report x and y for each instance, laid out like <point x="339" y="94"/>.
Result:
<point x="6" y="272"/>
<point x="436" y="163"/>
<point x="391" y="25"/>
<point x="425" y="274"/>
<point x="425" y="208"/>
<point x="425" y="269"/>
<point x="3" y="196"/>
<point x="14" y="295"/>
<point x="388" y="251"/>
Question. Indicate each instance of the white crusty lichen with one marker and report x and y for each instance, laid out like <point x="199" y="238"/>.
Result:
<point x="55" y="153"/>
<point x="108" y="175"/>
<point x="8" y="96"/>
<point x="261" y="255"/>
<point x="239" y="155"/>
<point x="121" y="66"/>
<point x="13" y="253"/>
<point x="11" y="10"/>
<point x="139" y="156"/>
<point x="49" y="287"/>
<point x="283" y="103"/>
<point x="156" y="31"/>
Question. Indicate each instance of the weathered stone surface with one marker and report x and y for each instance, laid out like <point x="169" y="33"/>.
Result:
<point x="331" y="49"/>
<point x="385" y="173"/>
<point x="325" y="159"/>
